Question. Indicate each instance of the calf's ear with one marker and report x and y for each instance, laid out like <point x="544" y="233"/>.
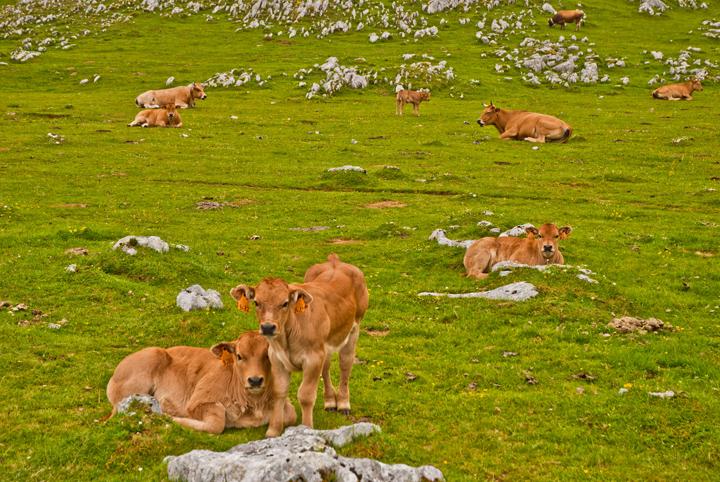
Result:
<point x="300" y="298"/>
<point x="532" y="231"/>
<point x="220" y="349"/>
<point x="565" y="232"/>
<point x="243" y="294"/>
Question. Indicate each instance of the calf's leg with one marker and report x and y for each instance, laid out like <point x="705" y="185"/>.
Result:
<point x="281" y="382"/>
<point x="211" y="418"/>
<point x="328" y="389"/>
<point x="347" y="358"/>
<point x="307" y="393"/>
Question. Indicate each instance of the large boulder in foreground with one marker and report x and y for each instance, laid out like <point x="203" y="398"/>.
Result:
<point x="301" y="453"/>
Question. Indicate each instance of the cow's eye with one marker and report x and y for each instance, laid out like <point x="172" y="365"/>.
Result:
<point x="557" y="236"/>
<point x="240" y="357"/>
<point x="257" y="305"/>
<point x="285" y="305"/>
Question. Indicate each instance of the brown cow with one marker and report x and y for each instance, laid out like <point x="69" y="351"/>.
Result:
<point x="567" y="16"/>
<point x="540" y="247"/>
<point x="305" y="324"/>
<point x="413" y="97"/>
<point x="522" y="125"/>
<point x="183" y="96"/>
<point x="165" y="117"/>
<point x="681" y="91"/>
<point x="208" y="390"/>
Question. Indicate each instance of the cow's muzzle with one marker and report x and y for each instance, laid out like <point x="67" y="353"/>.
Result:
<point x="255" y="382"/>
<point x="480" y="121"/>
<point x="268" y="329"/>
<point x="548" y="250"/>
<point x="203" y="97"/>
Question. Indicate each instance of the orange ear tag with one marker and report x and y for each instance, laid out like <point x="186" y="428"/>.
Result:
<point x="300" y="306"/>
<point x="242" y="304"/>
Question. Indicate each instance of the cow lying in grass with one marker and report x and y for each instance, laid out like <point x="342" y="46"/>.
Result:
<point x="413" y="97"/>
<point x="165" y="117"/>
<point x="681" y="91"/>
<point x="567" y="16"/>
<point x="183" y="96"/>
<point x="540" y="247"/>
<point x="229" y="385"/>
<point x="522" y="125"/>
<point x="305" y="324"/>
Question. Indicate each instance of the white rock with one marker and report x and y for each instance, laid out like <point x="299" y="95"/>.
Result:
<point x="441" y="238"/>
<point x="153" y="242"/>
<point x="347" y="168"/>
<point x="667" y="394"/>
<point x="301" y="453"/>
<point x="197" y="298"/>
<point x="148" y="400"/>
<point x="518" y="230"/>
<point x="519" y="291"/>
<point x="170" y="80"/>
<point x="71" y="268"/>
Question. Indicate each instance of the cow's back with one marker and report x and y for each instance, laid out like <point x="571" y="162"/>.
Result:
<point x="342" y="279"/>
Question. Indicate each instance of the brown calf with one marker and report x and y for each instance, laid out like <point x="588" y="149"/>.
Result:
<point x="208" y="390"/>
<point x="165" y="117"/>
<point x="183" y="96"/>
<point x="522" y="125"/>
<point x="413" y="97"/>
<point x="305" y="324"/>
<point x="540" y="247"/>
<point x="567" y="16"/>
<point x="681" y="91"/>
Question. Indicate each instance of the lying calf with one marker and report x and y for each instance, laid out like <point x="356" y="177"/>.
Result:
<point x="540" y="247"/>
<point x="166" y="117"/>
<point x="182" y="97"/>
<point x="681" y="91"/>
<point x="207" y="390"/>
<point x="523" y="125"/>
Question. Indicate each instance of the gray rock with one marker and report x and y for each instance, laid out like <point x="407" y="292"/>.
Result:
<point x="150" y="401"/>
<point x="301" y="453"/>
<point x="197" y="298"/>
<point x="484" y="223"/>
<point x="518" y="230"/>
<point x="71" y="268"/>
<point x="586" y="278"/>
<point x="347" y="168"/>
<point x="128" y="244"/>
<point x="442" y="239"/>
<point x="519" y="291"/>
<point x="667" y="394"/>
<point x="510" y="265"/>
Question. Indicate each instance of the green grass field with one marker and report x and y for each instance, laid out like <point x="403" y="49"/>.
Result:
<point x="645" y="212"/>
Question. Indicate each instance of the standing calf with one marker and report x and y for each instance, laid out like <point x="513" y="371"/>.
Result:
<point x="567" y="16"/>
<point x="540" y="247"/>
<point x="305" y="324"/>
<point x="413" y="97"/>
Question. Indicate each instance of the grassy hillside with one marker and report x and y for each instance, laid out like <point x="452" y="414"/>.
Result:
<point x="638" y="183"/>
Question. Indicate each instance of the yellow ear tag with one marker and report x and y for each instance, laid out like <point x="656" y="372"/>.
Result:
<point x="242" y="304"/>
<point x="227" y="358"/>
<point x="300" y="306"/>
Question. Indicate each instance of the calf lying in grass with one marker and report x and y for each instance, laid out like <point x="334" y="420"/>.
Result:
<point x="166" y="117"/>
<point x="523" y="125"/>
<point x="540" y="247"/>
<point x="681" y="91"/>
<point x="229" y="385"/>
<point x="183" y="96"/>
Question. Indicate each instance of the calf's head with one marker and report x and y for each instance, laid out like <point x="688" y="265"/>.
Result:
<point x="198" y="91"/>
<point x="171" y="110"/>
<point x="489" y="115"/>
<point x="547" y="238"/>
<point x="424" y="95"/>
<point x="274" y="299"/>
<point x="695" y="84"/>
<point x="250" y="354"/>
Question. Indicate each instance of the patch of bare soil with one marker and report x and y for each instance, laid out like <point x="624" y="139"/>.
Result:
<point x="76" y="251"/>
<point x="70" y="205"/>
<point x="344" y="241"/>
<point x="209" y="204"/>
<point x="385" y="205"/>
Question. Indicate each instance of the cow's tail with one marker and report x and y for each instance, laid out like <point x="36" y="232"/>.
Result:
<point x="334" y="259"/>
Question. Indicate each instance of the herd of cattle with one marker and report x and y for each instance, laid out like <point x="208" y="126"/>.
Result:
<point x="245" y="383"/>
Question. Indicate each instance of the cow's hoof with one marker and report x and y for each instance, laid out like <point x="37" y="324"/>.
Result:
<point x="331" y="409"/>
<point x="345" y="411"/>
